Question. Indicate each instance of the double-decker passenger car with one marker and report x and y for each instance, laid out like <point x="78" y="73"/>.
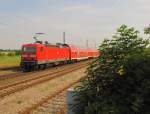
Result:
<point x="39" y="55"/>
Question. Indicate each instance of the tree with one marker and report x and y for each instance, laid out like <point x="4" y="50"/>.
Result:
<point x="108" y="85"/>
<point x="17" y="52"/>
<point x="147" y="30"/>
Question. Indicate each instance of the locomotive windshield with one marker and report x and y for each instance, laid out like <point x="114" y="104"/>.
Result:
<point x="29" y="49"/>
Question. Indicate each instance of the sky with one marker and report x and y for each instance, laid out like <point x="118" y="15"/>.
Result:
<point x="82" y="20"/>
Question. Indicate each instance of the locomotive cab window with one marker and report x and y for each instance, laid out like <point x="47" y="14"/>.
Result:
<point x="29" y="49"/>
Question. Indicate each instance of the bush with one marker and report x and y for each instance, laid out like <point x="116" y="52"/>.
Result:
<point x="118" y="81"/>
<point x="147" y="30"/>
<point x="17" y="52"/>
<point x="2" y="54"/>
<point x="133" y="87"/>
<point x="10" y="54"/>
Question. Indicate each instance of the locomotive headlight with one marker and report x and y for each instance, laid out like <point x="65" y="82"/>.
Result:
<point x="32" y="55"/>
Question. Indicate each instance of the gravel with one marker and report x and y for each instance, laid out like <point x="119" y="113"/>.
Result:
<point x="16" y="102"/>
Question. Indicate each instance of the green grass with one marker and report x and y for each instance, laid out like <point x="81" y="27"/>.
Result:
<point x="9" y="61"/>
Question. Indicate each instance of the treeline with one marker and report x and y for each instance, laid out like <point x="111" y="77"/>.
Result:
<point x="9" y="52"/>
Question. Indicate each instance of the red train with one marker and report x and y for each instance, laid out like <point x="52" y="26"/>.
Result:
<point x="40" y="55"/>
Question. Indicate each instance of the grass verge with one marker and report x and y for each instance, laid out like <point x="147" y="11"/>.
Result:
<point x="6" y="61"/>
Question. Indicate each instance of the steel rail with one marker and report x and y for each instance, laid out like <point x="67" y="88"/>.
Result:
<point x="19" y="86"/>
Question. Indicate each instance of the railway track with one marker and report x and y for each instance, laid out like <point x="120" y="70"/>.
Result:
<point x="58" y="93"/>
<point x="16" y="74"/>
<point x="21" y="85"/>
<point x="19" y="73"/>
<point x="55" y="105"/>
<point x="15" y="71"/>
<point x="10" y="75"/>
<point x="9" y="68"/>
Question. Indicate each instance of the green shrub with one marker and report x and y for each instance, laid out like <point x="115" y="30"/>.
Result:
<point x="147" y="30"/>
<point x="10" y="54"/>
<point x="147" y="51"/>
<point x="17" y="52"/>
<point x="118" y="82"/>
<point x="2" y="54"/>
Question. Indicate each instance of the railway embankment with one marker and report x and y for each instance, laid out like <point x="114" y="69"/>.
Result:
<point x="36" y="92"/>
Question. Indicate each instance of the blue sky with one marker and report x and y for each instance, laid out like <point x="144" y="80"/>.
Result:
<point x="81" y="19"/>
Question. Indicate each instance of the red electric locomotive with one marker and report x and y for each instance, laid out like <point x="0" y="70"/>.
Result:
<point x="39" y="55"/>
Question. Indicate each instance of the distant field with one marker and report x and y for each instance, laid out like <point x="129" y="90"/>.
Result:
<point x="9" y="61"/>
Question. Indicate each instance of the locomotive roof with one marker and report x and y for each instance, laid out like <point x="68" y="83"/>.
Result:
<point x="48" y="44"/>
<point x="35" y="44"/>
<point x="73" y="47"/>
